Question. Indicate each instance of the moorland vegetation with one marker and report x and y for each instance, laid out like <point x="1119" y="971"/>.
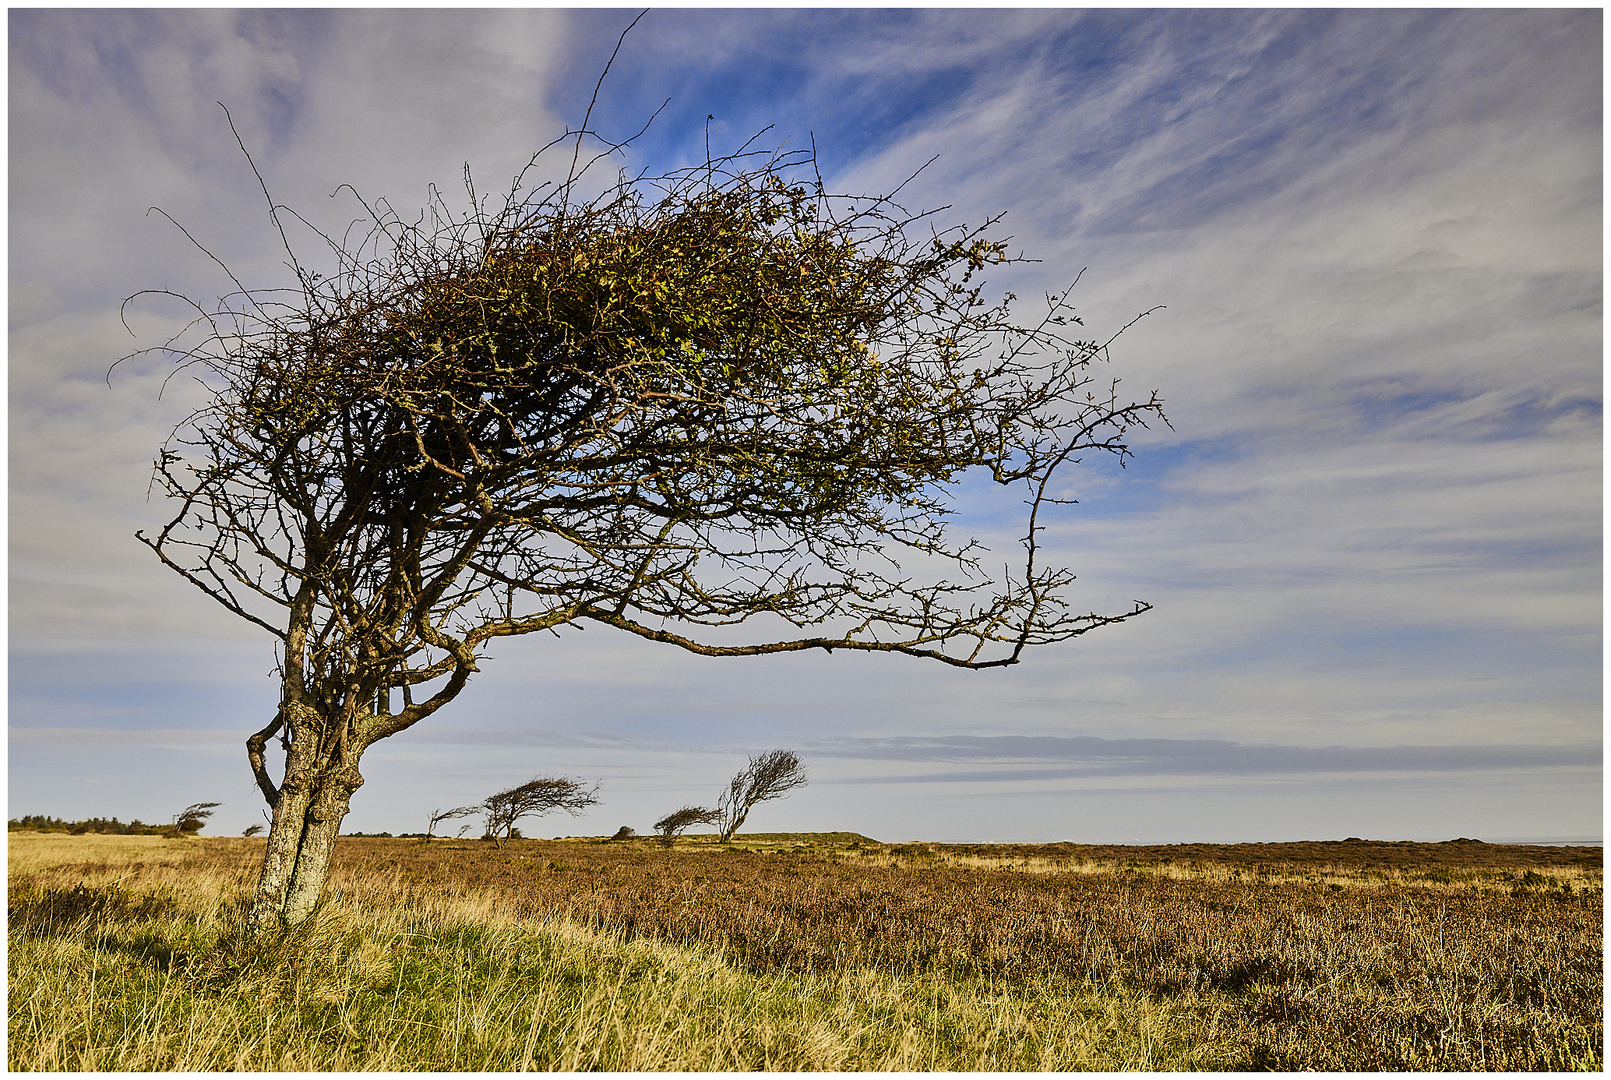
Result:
<point x="814" y="951"/>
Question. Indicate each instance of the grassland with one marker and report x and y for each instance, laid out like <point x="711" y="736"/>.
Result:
<point x="825" y="951"/>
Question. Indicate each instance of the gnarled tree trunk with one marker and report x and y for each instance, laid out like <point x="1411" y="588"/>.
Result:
<point x="309" y="806"/>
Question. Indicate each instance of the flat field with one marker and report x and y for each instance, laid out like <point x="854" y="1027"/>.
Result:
<point x="810" y="951"/>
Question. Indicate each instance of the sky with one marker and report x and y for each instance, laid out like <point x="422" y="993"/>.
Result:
<point x="1372" y="538"/>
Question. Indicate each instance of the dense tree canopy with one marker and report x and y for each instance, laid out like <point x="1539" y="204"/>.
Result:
<point x="670" y="406"/>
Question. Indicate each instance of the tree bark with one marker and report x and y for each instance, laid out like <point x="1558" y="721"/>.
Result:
<point x="308" y="810"/>
<point x="727" y="833"/>
<point x="326" y="810"/>
<point x="284" y="843"/>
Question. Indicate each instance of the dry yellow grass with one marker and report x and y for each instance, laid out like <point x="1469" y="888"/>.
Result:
<point x="121" y="958"/>
<point x="811" y="953"/>
<point x="1340" y="874"/>
<point x="28" y="852"/>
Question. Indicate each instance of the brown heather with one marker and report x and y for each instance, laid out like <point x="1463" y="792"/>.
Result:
<point x="1332" y="956"/>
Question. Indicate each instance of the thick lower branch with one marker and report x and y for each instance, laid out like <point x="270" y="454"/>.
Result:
<point x="254" y="754"/>
<point x="382" y="727"/>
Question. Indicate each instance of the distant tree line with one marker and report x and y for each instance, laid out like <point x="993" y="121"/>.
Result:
<point x="186" y="822"/>
<point x="42" y="823"/>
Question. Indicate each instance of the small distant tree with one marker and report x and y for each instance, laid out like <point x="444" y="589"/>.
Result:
<point x="536" y="797"/>
<point x="770" y="776"/>
<point x="439" y="816"/>
<point x="252" y="830"/>
<point x="672" y="825"/>
<point x="192" y="818"/>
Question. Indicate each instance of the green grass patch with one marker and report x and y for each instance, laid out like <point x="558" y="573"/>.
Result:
<point x="131" y="993"/>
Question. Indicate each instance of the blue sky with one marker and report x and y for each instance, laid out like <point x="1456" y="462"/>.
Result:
<point x="1372" y="540"/>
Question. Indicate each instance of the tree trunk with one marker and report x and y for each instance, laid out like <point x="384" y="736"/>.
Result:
<point x="313" y="800"/>
<point x="727" y="833"/>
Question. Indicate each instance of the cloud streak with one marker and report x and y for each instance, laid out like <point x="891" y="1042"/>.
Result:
<point x="1054" y="758"/>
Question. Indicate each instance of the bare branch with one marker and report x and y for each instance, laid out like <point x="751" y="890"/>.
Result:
<point x="254" y="754"/>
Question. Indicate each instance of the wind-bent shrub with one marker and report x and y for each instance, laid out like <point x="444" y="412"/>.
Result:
<point x="673" y="824"/>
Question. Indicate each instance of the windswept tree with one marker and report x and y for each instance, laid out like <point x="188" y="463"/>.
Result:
<point x="770" y="776"/>
<point x="673" y="824"/>
<point x="192" y="818"/>
<point x="439" y="816"/>
<point x="672" y="406"/>
<point x="536" y="797"/>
